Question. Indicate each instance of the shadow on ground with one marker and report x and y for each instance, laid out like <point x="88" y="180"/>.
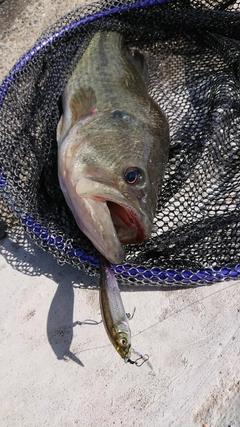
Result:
<point x="26" y="257"/>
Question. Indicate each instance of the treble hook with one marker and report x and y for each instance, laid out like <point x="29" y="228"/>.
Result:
<point x="136" y="362"/>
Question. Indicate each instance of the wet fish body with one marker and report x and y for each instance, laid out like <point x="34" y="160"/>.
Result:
<point x="113" y="143"/>
<point x="113" y="313"/>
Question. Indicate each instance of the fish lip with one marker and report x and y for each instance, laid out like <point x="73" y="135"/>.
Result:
<point x="130" y="215"/>
<point x="89" y="198"/>
<point x="126" y="211"/>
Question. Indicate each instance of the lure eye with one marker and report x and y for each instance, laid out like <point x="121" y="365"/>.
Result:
<point x="133" y="175"/>
<point x="123" y="342"/>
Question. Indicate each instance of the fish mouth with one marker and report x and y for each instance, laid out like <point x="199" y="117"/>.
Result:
<point x="105" y="215"/>
<point x="114" y="224"/>
<point x="126" y="223"/>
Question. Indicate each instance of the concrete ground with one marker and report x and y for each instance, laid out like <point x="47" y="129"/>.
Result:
<point x="57" y="366"/>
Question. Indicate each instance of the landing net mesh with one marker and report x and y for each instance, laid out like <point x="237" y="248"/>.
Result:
<point x="192" y="49"/>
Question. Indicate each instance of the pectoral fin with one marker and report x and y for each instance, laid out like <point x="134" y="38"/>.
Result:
<point x="140" y="62"/>
<point x="82" y="103"/>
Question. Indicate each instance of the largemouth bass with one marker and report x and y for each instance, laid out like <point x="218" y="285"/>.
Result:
<point x="113" y="312"/>
<point x="113" y="143"/>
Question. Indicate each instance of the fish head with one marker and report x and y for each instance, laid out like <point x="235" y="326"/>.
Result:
<point x="110" y="170"/>
<point x="123" y="344"/>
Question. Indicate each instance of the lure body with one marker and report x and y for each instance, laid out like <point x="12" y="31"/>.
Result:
<point x="113" y="313"/>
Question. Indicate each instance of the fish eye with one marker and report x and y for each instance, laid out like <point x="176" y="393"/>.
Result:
<point x="133" y="175"/>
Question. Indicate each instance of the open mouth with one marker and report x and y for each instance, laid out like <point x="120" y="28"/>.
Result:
<point x="126" y="223"/>
<point x="108" y="220"/>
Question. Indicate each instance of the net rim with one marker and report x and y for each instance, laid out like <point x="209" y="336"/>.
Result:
<point x="154" y="275"/>
<point x="44" y="43"/>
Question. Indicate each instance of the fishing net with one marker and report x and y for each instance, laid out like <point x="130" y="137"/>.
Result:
<point x="192" y="48"/>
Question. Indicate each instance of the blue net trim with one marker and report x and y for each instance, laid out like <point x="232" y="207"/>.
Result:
<point x="139" y="273"/>
<point x="154" y="275"/>
<point x="49" y="40"/>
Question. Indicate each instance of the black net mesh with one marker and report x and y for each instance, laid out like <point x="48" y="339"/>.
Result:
<point x="192" y="48"/>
